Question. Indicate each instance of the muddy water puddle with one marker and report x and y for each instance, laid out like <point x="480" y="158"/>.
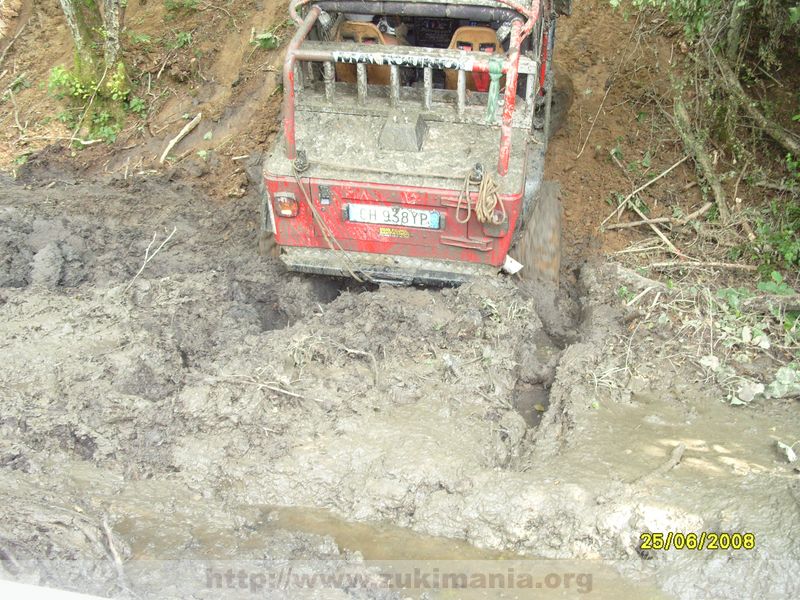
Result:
<point x="394" y="558"/>
<point x="428" y="566"/>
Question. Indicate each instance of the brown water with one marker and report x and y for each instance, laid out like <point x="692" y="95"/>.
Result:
<point x="403" y="553"/>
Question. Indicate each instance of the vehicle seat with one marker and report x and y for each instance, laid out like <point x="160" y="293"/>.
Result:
<point x="364" y="33"/>
<point x="473" y="39"/>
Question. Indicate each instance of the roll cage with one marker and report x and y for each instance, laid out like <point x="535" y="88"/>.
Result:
<point x="522" y="16"/>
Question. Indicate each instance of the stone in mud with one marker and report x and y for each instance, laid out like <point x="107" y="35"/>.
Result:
<point x="57" y="264"/>
<point x="153" y="376"/>
<point x="15" y="264"/>
<point x="47" y="266"/>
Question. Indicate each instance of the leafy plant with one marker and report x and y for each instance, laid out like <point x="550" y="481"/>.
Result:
<point x="776" y="285"/>
<point x="626" y="294"/>
<point x="182" y="39"/>
<point x="778" y="237"/>
<point x="105" y="126"/>
<point x="266" y="41"/>
<point x="272" y="38"/>
<point x="65" y="84"/>
<point x="138" y="106"/>
<point x="139" y="38"/>
<point x="178" y="5"/>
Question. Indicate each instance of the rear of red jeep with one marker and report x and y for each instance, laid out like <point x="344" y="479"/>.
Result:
<point x="413" y="137"/>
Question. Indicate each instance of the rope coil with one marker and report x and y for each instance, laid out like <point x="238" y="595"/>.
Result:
<point x="487" y="200"/>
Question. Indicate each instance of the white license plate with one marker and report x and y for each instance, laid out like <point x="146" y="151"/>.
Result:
<point x="393" y="215"/>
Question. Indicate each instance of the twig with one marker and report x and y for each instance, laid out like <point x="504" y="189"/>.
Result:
<point x="596" y="116"/>
<point x="22" y="129"/>
<point x="50" y="138"/>
<point x="11" y="43"/>
<point x="775" y="186"/>
<point x="183" y="133"/>
<point x="220" y="9"/>
<point x="745" y="223"/>
<point x="622" y="60"/>
<point x="640" y="295"/>
<point x="16" y="81"/>
<point x="630" y="224"/>
<point x="641" y="188"/>
<point x="148" y="257"/>
<point x="269" y="385"/>
<point x="698" y="213"/>
<point x="114" y="554"/>
<point x="362" y="353"/>
<point x="637" y="250"/>
<point x="163" y="65"/>
<point x="675" y="458"/>
<point x="88" y="106"/>
<point x="658" y="232"/>
<point x="701" y="265"/>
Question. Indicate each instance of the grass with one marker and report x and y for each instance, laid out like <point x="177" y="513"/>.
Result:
<point x="777" y="239"/>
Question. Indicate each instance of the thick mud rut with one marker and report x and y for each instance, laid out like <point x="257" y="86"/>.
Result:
<point x="160" y="412"/>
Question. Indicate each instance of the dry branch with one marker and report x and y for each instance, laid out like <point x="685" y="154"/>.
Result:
<point x="641" y="188"/>
<point x="701" y="265"/>
<point x="697" y="149"/>
<point x="11" y="43"/>
<point x="775" y="186"/>
<point x="675" y="458"/>
<point x="183" y="133"/>
<point x="767" y="303"/>
<point x="659" y="220"/>
<point x="148" y="257"/>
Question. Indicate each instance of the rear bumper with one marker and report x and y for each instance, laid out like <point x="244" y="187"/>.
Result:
<point x="383" y="268"/>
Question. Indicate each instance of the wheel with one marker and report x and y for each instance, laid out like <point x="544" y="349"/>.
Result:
<point x="552" y="113"/>
<point x="539" y="249"/>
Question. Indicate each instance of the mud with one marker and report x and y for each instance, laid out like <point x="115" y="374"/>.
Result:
<point x="164" y="411"/>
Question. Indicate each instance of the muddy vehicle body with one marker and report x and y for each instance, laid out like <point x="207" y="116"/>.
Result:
<point x="413" y="139"/>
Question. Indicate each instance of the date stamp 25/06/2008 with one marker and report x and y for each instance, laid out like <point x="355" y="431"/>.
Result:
<point x="704" y="540"/>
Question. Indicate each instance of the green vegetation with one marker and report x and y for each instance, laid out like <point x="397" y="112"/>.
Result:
<point x="98" y="104"/>
<point x="778" y="236"/>
<point x="181" y="5"/>
<point x="273" y="37"/>
<point x="182" y="39"/>
<point x="267" y="40"/>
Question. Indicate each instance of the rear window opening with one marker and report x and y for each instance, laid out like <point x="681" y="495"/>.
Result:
<point x="490" y="37"/>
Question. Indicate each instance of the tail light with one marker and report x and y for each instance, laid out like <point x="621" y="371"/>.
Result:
<point x="286" y="205"/>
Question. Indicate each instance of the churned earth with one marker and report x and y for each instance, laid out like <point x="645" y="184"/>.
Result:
<point x="162" y="399"/>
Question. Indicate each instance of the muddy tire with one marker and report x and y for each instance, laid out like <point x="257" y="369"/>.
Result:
<point x="539" y="249"/>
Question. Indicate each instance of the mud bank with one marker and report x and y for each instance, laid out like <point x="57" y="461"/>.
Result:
<point x="157" y="409"/>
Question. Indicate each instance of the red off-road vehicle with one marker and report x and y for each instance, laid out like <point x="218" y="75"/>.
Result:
<point x="413" y="139"/>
